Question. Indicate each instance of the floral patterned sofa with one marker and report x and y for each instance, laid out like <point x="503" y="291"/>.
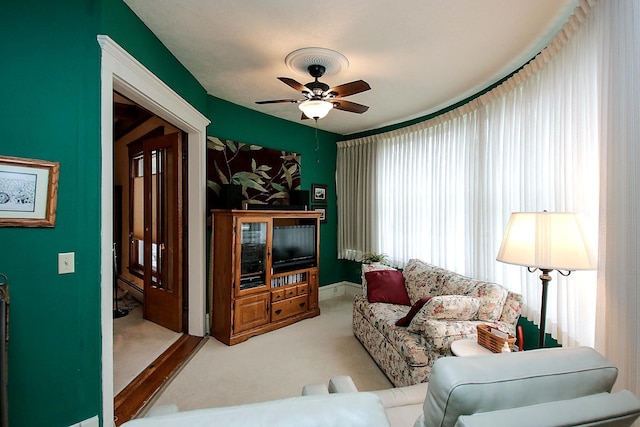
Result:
<point x="434" y="306"/>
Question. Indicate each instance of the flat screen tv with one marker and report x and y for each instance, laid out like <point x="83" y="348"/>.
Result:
<point x="294" y="247"/>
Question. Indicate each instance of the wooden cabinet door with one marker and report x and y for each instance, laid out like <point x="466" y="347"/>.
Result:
<point x="313" y="289"/>
<point x="250" y="312"/>
<point x="253" y="255"/>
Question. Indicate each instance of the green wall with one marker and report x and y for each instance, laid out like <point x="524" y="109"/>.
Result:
<point x="49" y="82"/>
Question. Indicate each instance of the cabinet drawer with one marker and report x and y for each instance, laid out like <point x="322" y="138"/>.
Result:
<point x="290" y="292"/>
<point x="288" y="307"/>
<point x="277" y="295"/>
<point x="303" y="289"/>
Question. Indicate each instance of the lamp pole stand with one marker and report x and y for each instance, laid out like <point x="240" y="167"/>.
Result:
<point x="545" y="278"/>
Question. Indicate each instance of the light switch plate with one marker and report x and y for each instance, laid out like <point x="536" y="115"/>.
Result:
<point x="66" y="263"/>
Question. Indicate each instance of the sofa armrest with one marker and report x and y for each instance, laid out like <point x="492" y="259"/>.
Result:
<point x="314" y="389"/>
<point x="402" y="396"/>
<point x="618" y="409"/>
<point x="342" y="384"/>
<point x="328" y="410"/>
<point x="512" y="308"/>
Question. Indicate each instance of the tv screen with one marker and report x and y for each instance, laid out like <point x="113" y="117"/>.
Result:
<point x="294" y="246"/>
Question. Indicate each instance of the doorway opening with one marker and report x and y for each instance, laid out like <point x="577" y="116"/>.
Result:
<point x="150" y="339"/>
<point x="148" y="229"/>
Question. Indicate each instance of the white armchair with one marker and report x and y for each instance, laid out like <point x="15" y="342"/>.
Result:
<point x="540" y="388"/>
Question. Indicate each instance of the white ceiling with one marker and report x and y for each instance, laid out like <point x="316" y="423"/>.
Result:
<point x="419" y="56"/>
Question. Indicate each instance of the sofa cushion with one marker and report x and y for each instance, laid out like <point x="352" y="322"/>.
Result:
<point x="365" y="268"/>
<point x="386" y="286"/>
<point x="444" y="307"/>
<point x="492" y="296"/>
<point x="415" y="308"/>
<point x="422" y="279"/>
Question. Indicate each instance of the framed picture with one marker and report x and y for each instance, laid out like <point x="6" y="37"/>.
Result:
<point x="323" y="211"/>
<point x="28" y="192"/>
<point x="318" y="193"/>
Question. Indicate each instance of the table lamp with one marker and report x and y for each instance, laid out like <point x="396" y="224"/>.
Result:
<point x="546" y="241"/>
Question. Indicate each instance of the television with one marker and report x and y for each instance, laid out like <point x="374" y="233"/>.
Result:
<point x="294" y="247"/>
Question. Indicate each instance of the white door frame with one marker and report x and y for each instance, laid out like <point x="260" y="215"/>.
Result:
<point x="123" y="73"/>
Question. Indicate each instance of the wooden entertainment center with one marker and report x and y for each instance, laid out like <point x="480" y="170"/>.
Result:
<point x="264" y="271"/>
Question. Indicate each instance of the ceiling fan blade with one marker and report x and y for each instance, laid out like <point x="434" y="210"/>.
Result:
<point x="278" y="101"/>
<point x="304" y="117"/>
<point x="352" y="107"/>
<point x="294" y="84"/>
<point x="348" y="89"/>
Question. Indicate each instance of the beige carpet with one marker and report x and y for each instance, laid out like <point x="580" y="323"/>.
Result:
<point x="136" y="343"/>
<point x="277" y="364"/>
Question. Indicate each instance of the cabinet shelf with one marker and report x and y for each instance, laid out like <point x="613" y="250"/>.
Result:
<point x="257" y="273"/>
<point x="286" y="279"/>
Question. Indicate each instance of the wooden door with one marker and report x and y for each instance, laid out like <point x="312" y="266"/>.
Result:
<point x="162" y="230"/>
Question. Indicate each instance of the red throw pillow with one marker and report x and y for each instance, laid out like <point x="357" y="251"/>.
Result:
<point x="386" y="286"/>
<point x="415" y="308"/>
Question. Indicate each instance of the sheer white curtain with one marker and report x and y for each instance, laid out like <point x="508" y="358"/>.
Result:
<point x="355" y="181"/>
<point x="617" y="333"/>
<point x="443" y="190"/>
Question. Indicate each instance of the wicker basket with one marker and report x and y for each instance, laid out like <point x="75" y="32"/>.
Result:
<point x="491" y="341"/>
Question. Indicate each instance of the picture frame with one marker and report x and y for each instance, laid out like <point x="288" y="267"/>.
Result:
<point x="323" y="210"/>
<point x="318" y="193"/>
<point x="28" y="192"/>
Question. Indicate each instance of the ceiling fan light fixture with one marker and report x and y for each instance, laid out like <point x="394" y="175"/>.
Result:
<point x="315" y="109"/>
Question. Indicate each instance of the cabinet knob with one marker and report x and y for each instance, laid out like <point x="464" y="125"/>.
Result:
<point x="278" y="311"/>
<point x="302" y="304"/>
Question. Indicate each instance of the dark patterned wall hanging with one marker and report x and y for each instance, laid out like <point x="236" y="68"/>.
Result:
<point x="238" y="172"/>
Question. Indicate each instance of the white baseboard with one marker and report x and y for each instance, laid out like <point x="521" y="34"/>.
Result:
<point x="91" y="422"/>
<point x="337" y="289"/>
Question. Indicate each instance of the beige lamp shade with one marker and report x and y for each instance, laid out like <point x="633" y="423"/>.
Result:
<point x="546" y="240"/>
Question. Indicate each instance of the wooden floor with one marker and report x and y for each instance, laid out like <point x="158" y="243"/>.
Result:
<point x="132" y="400"/>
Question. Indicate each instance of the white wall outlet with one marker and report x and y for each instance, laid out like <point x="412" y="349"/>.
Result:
<point x="66" y="263"/>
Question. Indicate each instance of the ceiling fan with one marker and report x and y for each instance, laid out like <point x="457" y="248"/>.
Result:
<point x="319" y="98"/>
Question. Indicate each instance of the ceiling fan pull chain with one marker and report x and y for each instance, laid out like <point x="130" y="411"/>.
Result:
<point x="317" y="144"/>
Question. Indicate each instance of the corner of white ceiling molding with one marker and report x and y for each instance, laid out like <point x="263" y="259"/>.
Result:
<point x="299" y="60"/>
